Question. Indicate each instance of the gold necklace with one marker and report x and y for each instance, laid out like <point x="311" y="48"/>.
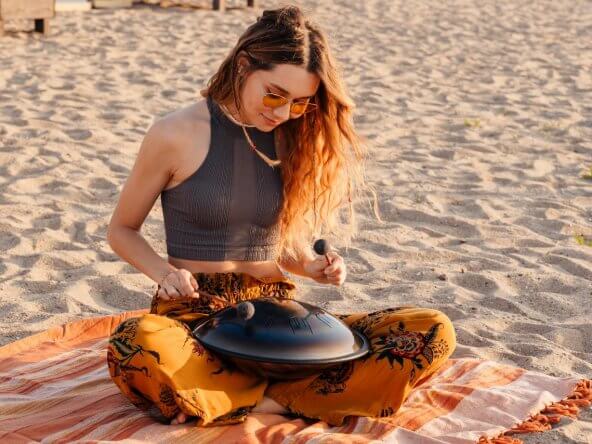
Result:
<point x="271" y="162"/>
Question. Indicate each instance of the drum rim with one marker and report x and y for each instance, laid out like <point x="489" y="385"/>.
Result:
<point x="362" y="351"/>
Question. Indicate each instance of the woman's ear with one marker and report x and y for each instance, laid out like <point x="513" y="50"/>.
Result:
<point x="242" y="62"/>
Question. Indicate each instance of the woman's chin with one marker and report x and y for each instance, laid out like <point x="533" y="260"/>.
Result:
<point x="265" y="125"/>
<point x="265" y="128"/>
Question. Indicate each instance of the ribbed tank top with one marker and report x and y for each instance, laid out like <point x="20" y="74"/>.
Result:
<point x="229" y="207"/>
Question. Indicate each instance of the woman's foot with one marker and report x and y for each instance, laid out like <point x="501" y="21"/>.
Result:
<point x="268" y="405"/>
<point x="179" y="419"/>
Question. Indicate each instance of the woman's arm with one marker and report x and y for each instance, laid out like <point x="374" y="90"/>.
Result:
<point x="150" y="174"/>
<point x="316" y="267"/>
<point x="297" y="266"/>
<point x="294" y="266"/>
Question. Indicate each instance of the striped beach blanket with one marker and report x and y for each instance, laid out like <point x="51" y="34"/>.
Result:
<point x="54" y="387"/>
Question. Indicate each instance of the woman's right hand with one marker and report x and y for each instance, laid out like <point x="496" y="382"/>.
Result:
<point x="176" y="284"/>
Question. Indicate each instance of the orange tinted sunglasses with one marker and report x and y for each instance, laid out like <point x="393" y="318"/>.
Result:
<point x="273" y="100"/>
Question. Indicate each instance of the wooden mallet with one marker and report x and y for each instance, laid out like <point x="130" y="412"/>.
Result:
<point x="321" y="246"/>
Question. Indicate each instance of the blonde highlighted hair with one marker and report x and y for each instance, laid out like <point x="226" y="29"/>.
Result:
<point x="323" y="164"/>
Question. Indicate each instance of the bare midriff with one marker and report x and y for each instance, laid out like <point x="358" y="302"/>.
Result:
<point x="258" y="269"/>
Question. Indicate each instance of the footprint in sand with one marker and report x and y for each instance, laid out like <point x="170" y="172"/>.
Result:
<point x="8" y="241"/>
<point x="78" y="134"/>
<point x="102" y="184"/>
<point x="112" y="117"/>
<point x="475" y="282"/>
<point x="52" y="221"/>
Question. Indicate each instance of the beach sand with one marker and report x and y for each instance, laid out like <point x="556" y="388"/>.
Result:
<point x="479" y="117"/>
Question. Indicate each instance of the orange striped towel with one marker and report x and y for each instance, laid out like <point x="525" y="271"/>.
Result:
<point x="54" y="387"/>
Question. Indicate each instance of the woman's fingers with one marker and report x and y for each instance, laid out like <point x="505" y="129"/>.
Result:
<point x="332" y="255"/>
<point x="185" y="287"/>
<point x="320" y="264"/>
<point x="323" y="273"/>
<point x="187" y="283"/>
<point x="179" y="284"/>
<point x="171" y="292"/>
<point x="335" y="264"/>
<point x="335" y="272"/>
<point x="195" y="286"/>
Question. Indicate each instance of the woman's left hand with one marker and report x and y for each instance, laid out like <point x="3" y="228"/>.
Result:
<point x="323" y="273"/>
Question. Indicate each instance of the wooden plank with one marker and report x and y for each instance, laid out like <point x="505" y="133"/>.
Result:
<point x="112" y="3"/>
<point x="72" y="5"/>
<point x="26" y="9"/>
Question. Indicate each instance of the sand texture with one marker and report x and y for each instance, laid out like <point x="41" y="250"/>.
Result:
<point x="479" y="115"/>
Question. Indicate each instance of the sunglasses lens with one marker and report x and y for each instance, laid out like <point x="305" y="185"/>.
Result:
<point x="273" y="100"/>
<point x="299" y="107"/>
<point x="303" y="107"/>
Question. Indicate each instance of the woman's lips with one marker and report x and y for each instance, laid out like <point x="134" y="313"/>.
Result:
<point x="271" y="122"/>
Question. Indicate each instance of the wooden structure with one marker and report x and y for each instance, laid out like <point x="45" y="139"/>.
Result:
<point x="112" y="3"/>
<point x="72" y="5"/>
<point x="220" y="5"/>
<point x="39" y="10"/>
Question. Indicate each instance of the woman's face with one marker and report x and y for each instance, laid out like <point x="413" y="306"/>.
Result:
<point x="290" y="81"/>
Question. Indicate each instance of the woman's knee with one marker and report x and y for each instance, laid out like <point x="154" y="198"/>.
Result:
<point x="430" y="328"/>
<point x="126" y="330"/>
<point x="148" y="328"/>
<point x="445" y="330"/>
<point x="144" y="343"/>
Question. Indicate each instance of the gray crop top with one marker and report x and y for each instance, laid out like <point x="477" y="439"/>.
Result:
<point x="228" y="208"/>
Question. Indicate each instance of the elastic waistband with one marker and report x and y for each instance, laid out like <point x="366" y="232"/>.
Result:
<point x="233" y="276"/>
<point x="238" y="282"/>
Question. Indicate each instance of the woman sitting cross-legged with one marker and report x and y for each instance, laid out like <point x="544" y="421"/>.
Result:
<point x="247" y="177"/>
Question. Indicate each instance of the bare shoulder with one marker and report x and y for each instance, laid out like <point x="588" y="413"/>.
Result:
<point x="187" y="132"/>
<point x="184" y="124"/>
<point x="173" y="147"/>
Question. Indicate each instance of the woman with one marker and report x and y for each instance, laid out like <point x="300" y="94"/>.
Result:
<point x="247" y="178"/>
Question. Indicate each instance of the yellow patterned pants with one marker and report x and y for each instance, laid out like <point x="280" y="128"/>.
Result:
<point x="155" y="360"/>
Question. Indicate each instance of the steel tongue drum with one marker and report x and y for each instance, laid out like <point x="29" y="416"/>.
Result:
<point x="281" y="338"/>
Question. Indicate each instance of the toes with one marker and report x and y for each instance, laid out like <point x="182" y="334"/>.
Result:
<point x="179" y="419"/>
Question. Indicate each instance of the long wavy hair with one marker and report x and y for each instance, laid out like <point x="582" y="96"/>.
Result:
<point x="323" y="165"/>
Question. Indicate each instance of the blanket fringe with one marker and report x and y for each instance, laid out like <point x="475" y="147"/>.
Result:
<point x="581" y="396"/>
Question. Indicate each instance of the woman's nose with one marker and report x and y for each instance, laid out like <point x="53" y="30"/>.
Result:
<point x="282" y="112"/>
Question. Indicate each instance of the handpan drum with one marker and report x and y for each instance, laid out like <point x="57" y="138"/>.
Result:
<point x="280" y="338"/>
